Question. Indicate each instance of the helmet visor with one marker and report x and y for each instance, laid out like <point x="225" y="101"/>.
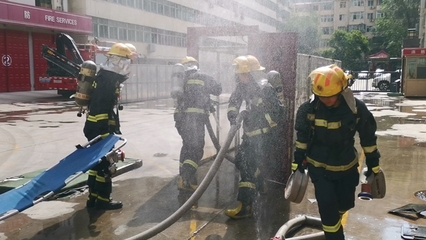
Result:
<point x="117" y="64"/>
<point x="190" y="66"/>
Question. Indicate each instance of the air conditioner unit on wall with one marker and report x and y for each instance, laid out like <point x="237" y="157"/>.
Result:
<point x="151" y="47"/>
<point x="372" y="7"/>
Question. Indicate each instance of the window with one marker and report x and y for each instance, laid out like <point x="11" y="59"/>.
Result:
<point x="327" y="18"/>
<point x="370" y="3"/>
<point x="357" y="3"/>
<point x="147" y="37"/>
<point x="139" y="4"/>
<point x="147" y="5"/>
<point x="327" y="30"/>
<point x="113" y="32"/>
<point x="327" y="6"/>
<point x="131" y="35"/>
<point x="357" y="15"/>
<point x="95" y="30"/>
<point x="343" y="28"/>
<point x="131" y="3"/>
<point x="103" y="31"/>
<point x="154" y="7"/>
<point x="342" y="4"/>
<point x="379" y="14"/>
<point x="342" y="17"/>
<point x="122" y="34"/>
<point x="370" y="16"/>
<point x="167" y="11"/>
<point x="44" y="3"/>
<point x="139" y="36"/>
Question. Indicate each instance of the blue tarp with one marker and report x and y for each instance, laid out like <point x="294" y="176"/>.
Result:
<point x="53" y="179"/>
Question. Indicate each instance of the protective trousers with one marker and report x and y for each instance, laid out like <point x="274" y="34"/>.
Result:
<point x="250" y="156"/>
<point x="190" y="127"/>
<point x="99" y="182"/>
<point x="334" y="198"/>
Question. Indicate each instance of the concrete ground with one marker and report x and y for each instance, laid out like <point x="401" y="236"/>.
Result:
<point x="37" y="129"/>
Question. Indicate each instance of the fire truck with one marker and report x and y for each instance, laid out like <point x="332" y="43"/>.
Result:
<point x="64" y="63"/>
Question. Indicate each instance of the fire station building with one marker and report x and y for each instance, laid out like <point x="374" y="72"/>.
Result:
<point x="23" y="30"/>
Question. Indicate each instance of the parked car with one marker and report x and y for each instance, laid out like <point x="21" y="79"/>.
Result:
<point x="382" y="81"/>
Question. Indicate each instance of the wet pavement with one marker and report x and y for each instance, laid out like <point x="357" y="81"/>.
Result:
<point x="37" y="134"/>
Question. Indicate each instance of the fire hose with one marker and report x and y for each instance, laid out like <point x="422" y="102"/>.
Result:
<point x="216" y="141"/>
<point x="200" y="190"/>
<point x="294" y="224"/>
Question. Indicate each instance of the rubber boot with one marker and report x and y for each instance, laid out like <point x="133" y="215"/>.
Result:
<point x="241" y="211"/>
<point x="111" y="205"/>
<point x="185" y="185"/>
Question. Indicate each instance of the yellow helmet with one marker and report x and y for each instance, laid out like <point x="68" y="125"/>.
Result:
<point x="241" y="64"/>
<point x="121" y="50"/>
<point x="188" y="59"/>
<point x="254" y="63"/>
<point x="326" y="82"/>
<point x="341" y="74"/>
<point x="131" y="47"/>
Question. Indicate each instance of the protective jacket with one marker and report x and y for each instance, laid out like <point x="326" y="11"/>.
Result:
<point x="197" y="89"/>
<point x="101" y="118"/>
<point x="263" y="107"/>
<point x="325" y="136"/>
<point x="191" y="114"/>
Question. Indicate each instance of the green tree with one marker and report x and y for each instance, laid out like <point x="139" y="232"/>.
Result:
<point x="398" y="17"/>
<point x="306" y="27"/>
<point x="349" y="47"/>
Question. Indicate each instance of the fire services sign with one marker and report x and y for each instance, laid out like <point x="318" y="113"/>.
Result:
<point x="20" y="14"/>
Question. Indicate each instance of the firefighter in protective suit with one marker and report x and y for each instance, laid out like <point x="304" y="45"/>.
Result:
<point x="192" y="111"/>
<point x="326" y="126"/>
<point x="274" y="78"/>
<point x="102" y="120"/>
<point x="264" y="111"/>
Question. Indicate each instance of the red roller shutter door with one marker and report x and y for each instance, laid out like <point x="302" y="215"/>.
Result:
<point x="40" y="64"/>
<point x="19" y="69"/>
<point x="3" y="63"/>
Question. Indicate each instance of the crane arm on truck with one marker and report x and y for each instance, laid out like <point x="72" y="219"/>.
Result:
<point x="59" y="61"/>
<point x="60" y="64"/>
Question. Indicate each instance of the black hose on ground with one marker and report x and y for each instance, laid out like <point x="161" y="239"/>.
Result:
<point x="200" y="190"/>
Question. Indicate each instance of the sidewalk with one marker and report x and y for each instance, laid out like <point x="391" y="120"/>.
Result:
<point x="29" y="96"/>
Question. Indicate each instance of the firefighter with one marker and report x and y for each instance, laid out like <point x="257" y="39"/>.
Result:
<point x="192" y="111"/>
<point x="274" y="78"/>
<point x="277" y="165"/>
<point x="263" y="107"/>
<point x="102" y="120"/>
<point x="326" y="126"/>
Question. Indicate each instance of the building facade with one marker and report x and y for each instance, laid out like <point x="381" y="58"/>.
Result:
<point x="157" y="28"/>
<point x="345" y="15"/>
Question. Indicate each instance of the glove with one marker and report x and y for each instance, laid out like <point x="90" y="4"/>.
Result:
<point x="299" y="166"/>
<point x="372" y="166"/>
